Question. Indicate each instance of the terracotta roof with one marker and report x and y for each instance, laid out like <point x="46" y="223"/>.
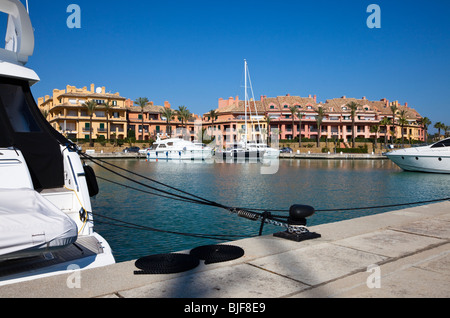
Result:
<point x="92" y="95"/>
<point x="147" y="109"/>
<point x="233" y="108"/>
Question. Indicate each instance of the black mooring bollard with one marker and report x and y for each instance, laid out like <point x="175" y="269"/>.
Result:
<point x="297" y="222"/>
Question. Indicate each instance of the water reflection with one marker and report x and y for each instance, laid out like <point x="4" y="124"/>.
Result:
<point x="324" y="184"/>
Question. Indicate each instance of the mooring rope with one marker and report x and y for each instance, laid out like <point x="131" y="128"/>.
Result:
<point x="255" y="214"/>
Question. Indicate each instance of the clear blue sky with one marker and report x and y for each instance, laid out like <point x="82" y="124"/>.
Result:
<point x="191" y="52"/>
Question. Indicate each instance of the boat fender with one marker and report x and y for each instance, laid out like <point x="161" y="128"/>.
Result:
<point x="91" y="181"/>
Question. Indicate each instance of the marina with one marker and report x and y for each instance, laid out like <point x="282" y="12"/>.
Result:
<point x="213" y="205"/>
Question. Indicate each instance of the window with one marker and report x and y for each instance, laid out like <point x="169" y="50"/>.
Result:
<point x="286" y="106"/>
<point x="443" y="143"/>
<point x="272" y="107"/>
<point x="16" y="106"/>
<point x="114" y="103"/>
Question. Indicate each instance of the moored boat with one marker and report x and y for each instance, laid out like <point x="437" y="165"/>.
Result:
<point x="45" y="209"/>
<point x="434" y="158"/>
<point x="178" y="149"/>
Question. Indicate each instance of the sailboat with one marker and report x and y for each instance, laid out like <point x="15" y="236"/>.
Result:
<point x="45" y="209"/>
<point x="250" y="146"/>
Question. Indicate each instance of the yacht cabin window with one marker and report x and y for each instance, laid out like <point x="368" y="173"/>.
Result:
<point x="442" y="143"/>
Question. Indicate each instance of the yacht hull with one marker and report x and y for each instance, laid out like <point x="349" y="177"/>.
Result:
<point x="418" y="163"/>
<point x="178" y="155"/>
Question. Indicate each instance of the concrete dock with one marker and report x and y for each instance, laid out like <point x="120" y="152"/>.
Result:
<point x="404" y="253"/>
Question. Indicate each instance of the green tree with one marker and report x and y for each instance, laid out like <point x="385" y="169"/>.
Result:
<point x="213" y="115"/>
<point x="142" y="102"/>
<point x="300" y="117"/>
<point x="375" y="129"/>
<point x="385" y="122"/>
<point x="169" y="115"/>
<point x="268" y="120"/>
<point x="439" y="126"/>
<point x="402" y="121"/>
<point x="353" y="108"/>
<point x="91" y="106"/>
<point x="394" y="109"/>
<point x="293" y="110"/>
<point x="319" y="120"/>
<point x="108" y="108"/>
<point x="426" y="122"/>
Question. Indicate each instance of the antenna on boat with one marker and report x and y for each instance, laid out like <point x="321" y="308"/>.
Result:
<point x="27" y="7"/>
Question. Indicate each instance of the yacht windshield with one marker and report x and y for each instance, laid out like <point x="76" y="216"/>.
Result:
<point x="442" y="143"/>
<point x="23" y="127"/>
<point x="17" y="109"/>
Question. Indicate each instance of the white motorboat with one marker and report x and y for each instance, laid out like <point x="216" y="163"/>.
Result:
<point x="434" y="158"/>
<point x="239" y="150"/>
<point x="178" y="149"/>
<point x="267" y="152"/>
<point x="45" y="209"/>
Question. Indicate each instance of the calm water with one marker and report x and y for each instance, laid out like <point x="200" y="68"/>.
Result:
<point x="320" y="183"/>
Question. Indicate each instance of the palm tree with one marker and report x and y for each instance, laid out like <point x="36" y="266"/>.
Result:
<point x="293" y="111"/>
<point x="184" y="115"/>
<point x="439" y="126"/>
<point x="168" y="114"/>
<point x="425" y="123"/>
<point x="375" y="129"/>
<point x="91" y="106"/>
<point x="402" y="122"/>
<point x="353" y="107"/>
<point x="385" y="122"/>
<point x="268" y="119"/>
<point x="319" y="119"/>
<point x="394" y="109"/>
<point x="300" y="117"/>
<point x="142" y="102"/>
<point x="108" y="108"/>
<point x="213" y="115"/>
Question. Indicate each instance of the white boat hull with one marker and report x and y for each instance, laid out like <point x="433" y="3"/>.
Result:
<point x="179" y="155"/>
<point x="417" y="163"/>
<point x="434" y="158"/>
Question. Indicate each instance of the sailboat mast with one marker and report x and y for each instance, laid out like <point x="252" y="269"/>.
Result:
<point x="246" y="101"/>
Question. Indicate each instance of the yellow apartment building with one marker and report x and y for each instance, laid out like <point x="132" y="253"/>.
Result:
<point x="66" y="112"/>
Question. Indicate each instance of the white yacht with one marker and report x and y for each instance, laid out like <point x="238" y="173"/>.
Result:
<point x="240" y="150"/>
<point x="45" y="209"/>
<point x="267" y="152"/>
<point x="178" y="149"/>
<point x="434" y="158"/>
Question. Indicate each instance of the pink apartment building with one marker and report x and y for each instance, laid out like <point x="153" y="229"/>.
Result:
<point x="337" y="120"/>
